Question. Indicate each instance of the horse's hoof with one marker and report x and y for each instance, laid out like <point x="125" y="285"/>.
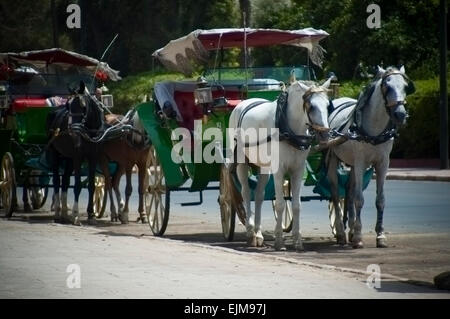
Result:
<point x="251" y="241"/>
<point x="358" y="244"/>
<point x="382" y="243"/>
<point x="27" y="208"/>
<point x="259" y="241"/>
<point x="299" y="248"/>
<point x="142" y="219"/>
<point x="341" y="240"/>
<point x="279" y="246"/>
<point x="65" y="220"/>
<point x="123" y="219"/>
<point x="76" y="221"/>
<point x="350" y="237"/>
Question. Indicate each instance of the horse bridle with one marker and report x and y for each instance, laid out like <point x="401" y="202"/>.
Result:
<point x="307" y="107"/>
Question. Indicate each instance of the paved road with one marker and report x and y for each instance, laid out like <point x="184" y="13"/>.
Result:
<point x="126" y="261"/>
<point x="34" y="260"/>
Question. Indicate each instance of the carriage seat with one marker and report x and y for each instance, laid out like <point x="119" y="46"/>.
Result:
<point x="180" y="95"/>
<point x="20" y="105"/>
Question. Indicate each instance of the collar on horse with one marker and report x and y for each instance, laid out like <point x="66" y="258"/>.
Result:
<point x="300" y="142"/>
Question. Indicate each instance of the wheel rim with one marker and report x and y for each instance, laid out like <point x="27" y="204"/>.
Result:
<point x="157" y="197"/>
<point x="99" y="196"/>
<point x="227" y="210"/>
<point x="286" y="221"/>
<point x="37" y="194"/>
<point x="7" y="184"/>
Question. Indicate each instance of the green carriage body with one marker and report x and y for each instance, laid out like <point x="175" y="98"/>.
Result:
<point x="234" y="82"/>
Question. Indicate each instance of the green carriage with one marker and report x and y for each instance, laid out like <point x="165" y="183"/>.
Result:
<point x="31" y="84"/>
<point x="206" y="103"/>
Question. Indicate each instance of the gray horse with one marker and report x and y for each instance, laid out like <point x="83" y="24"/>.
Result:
<point x="367" y="127"/>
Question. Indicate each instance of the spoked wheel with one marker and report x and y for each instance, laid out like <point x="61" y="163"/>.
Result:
<point x="333" y="213"/>
<point x="287" y="214"/>
<point x="8" y="184"/>
<point x="227" y="207"/>
<point x="157" y="197"/>
<point x="100" y="196"/>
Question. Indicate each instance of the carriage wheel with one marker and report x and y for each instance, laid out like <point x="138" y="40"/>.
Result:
<point x="287" y="214"/>
<point x="157" y="197"/>
<point x="227" y="207"/>
<point x="332" y="214"/>
<point x="38" y="196"/>
<point x="100" y="196"/>
<point x="8" y="184"/>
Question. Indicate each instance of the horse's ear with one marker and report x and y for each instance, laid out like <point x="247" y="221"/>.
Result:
<point x="292" y="77"/>
<point x="303" y="86"/>
<point x="327" y="83"/>
<point x="402" y="69"/>
<point x="380" y="70"/>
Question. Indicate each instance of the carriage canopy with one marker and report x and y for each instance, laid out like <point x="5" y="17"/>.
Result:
<point x="178" y="54"/>
<point x="42" y="60"/>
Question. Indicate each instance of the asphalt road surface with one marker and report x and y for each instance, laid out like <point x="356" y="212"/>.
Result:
<point x="193" y="261"/>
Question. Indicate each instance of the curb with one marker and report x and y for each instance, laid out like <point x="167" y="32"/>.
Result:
<point x="428" y="178"/>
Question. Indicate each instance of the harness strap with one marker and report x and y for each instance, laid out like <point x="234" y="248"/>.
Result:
<point x="300" y="142"/>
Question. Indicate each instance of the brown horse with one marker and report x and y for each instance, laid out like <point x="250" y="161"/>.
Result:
<point x="128" y="150"/>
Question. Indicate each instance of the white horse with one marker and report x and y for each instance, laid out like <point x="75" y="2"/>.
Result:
<point x="306" y="106"/>
<point x="370" y="125"/>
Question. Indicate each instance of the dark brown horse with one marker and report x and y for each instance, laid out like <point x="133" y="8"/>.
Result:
<point x="127" y="150"/>
<point x="71" y="129"/>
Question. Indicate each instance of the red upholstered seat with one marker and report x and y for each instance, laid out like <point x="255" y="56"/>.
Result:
<point x="191" y="112"/>
<point x="20" y="105"/>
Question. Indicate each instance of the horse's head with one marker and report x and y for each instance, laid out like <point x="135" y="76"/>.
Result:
<point x="316" y="104"/>
<point x="84" y="105"/>
<point x="395" y="86"/>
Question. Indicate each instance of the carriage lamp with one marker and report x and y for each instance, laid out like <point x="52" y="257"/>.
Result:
<point x="203" y="97"/>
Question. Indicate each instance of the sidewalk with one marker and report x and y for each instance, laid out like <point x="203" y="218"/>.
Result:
<point x="419" y="174"/>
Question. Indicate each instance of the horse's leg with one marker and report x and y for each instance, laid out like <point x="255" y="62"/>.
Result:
<point x="115" y="184"/>
<point x="91" y="188"/>
<point x="123" y="215"/>
<point x="350" y="205"/>
<point x="259" y="198"/>
<point x="26" y="203"/>
<point x="296" y="184"/>
<point x="242" y="174"/>
<point x="334" y="188"/>
<point x="56" y="184"/>
<point x="280" y="205"/>
<point x="381" y="171"/>
<point x="142" y="172"/>
<point x="128" y="188"/>
<point x="359" y="203"/>
<point x="108" y="184"/>
<point x="76" y="190"/>
<point x="68" y="168"/>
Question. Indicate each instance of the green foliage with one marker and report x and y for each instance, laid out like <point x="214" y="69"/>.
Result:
<point x="136" y="88"/>
<point x="420" y="137"/>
